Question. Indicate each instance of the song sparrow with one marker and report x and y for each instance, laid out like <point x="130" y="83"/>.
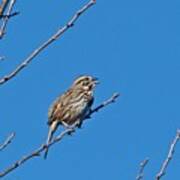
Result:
<point x="72" y="106"/>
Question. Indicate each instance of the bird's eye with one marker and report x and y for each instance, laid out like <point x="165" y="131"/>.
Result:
<point x="85" y="83"/>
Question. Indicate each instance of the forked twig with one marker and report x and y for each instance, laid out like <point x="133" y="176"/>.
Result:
<point x="10" y="15"/>
<point x="141" y="170"/>
<point x="7" y="141"/>
<point x="166" y="162"/>
<point x="58" y="138"/>
<point x="53" y="38"/>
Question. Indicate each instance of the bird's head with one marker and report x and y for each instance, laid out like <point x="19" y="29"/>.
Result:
<point x="86" y="82"/>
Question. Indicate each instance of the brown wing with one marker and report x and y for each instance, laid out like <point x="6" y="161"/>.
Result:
<point x="65" y="108"/>
<point x="55" y="109"/>
<point x="58" y="110"/>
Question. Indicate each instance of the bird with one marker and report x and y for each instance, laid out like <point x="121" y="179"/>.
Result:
<point x="72" y="107"/>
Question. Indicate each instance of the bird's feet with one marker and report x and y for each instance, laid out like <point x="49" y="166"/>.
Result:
<point x="69" y="127"/>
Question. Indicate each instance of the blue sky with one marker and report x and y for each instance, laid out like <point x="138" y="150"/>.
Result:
<point x="133" y="47"/>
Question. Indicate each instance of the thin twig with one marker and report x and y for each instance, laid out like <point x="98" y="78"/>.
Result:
<point x="166" y="162"/>
<point x="3" y="6"/>
<point x="10" y="15"/>
<point x="141" y="170"/>
<point x="58" y="138"/>
<point x="5" y="19"/>
<point x="53" y="38"/>
<point x="105" y="103"/>
<point x="7" y="141"/>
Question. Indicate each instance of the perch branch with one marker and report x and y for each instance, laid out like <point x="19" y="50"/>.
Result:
<point x="105" y="103"/>
<point x="166" y="162"/>
<point x="141" y="170"/>
<point x="53" y="38"/>
<point x="6" y="18"/>
<point x="7" y="141"/>
<point x="58" y="138"/>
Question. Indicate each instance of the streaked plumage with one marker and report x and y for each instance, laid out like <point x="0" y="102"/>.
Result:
<point x="72" y="106"/>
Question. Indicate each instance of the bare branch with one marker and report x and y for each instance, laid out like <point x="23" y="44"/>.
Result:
<point x="141" y="170"/>
<point x="6" y="18"/>
<point x="165" y="164"/>
<point x="7" y="141"/>
<point x="58" y="138"/>
<point x="53" y="38"/>
<point x="105" y="103"/>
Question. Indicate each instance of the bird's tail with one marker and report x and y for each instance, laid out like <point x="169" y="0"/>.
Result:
<point x="49" y="138"/>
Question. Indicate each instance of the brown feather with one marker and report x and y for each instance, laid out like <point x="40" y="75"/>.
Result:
<point x="72" y="106"/>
